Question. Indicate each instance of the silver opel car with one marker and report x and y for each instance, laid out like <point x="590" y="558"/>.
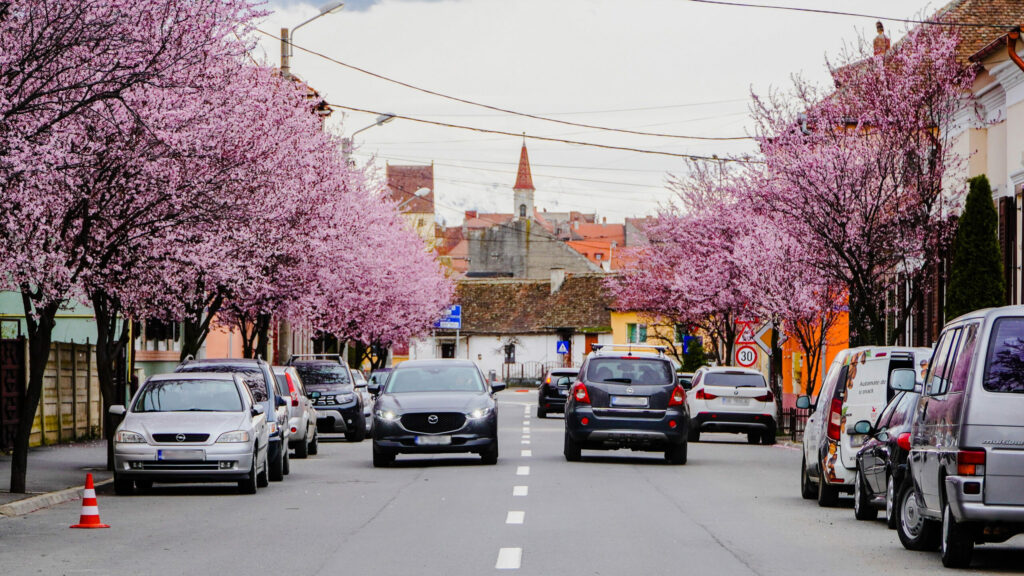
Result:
<point x="196" y="427"/>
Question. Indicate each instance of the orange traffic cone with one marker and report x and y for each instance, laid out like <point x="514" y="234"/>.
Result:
<point x="90" y="517"/>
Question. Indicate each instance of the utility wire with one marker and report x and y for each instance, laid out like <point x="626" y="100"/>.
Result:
<point x="496" y="108"/>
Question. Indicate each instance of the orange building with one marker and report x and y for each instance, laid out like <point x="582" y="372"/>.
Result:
<point x="795" y="376"/>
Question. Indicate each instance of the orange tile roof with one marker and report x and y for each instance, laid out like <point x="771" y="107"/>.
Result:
<point x="524" y="181"/>
<point x="995" y="12"/>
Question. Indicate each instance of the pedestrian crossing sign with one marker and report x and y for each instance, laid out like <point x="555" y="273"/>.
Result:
<point x="562" y="346"/>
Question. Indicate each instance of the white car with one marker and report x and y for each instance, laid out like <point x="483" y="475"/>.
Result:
<point x="726" y="399"/>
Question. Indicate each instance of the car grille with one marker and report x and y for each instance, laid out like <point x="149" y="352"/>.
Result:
<point x="173" y="438"/>
<point x="446" y="422"/>
<point x="182" y="465"/>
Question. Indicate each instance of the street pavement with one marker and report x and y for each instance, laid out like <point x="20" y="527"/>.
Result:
<point x="733" y="509"/>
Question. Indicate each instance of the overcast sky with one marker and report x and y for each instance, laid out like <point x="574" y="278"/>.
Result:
<point x="668" y="66"/>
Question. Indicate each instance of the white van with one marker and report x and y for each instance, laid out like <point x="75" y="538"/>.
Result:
<point x="856" y="388"/>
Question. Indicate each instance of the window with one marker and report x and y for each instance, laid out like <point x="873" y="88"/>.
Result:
<point x="598" y="255"/>
<point x="448" y="350"/>
<point x="629" y="371"/>
<point x="636" y="333"/>
<point x="938" y="374"/>
<point x="435" y="379"/>
<point x="522" y="210"/>
<point x="189" y="396"/>
<point x="510" y="354"/>
<point x="1004" y="366"/>
<point x="735" y="380"/>
<point x="962" y="365"/>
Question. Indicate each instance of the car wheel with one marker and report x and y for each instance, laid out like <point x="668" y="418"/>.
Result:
<point x="693" y="435"/>
<point x="287" y="468"/>
<point x="302" y="450"/>
<point x="123" y="486"/>
<point x="807" y="491"/>
<point x="676" y="454"/>
<point x="828" y="496"/>
<point x="862" y="508"/>
<point x="541" y="413"/>
<point x="263" y="476"/>
<point x="490" y="456"/>
<point x="891" y="518"/>
<point x="571" y="449"/>
<point x="314" y="445"/>
<point x="753" y="437"/>
<point x="358" y="431"/>
<point x="382" y="458"/>
<point x="957" y="541"/>
<point x="248" y="486"/>
<point x="916" y="532"/>
<point x="277" y="468"/>
<point x="768" y="438"/>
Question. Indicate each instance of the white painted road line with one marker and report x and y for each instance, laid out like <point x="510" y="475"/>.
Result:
<point x="526" y="441"/>
<point x="515" y="517"/>
<point x="520" y="490"/>
<point x="526" y="429"/>
<point x="509" y="559"/>
<point x="526" y="453"/>
<point x="523" y="471"/>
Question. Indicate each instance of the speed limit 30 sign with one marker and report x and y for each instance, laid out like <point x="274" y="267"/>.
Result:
<point x="746" y="356"/>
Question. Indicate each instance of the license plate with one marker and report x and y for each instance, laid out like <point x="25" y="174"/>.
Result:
<point x="180" y="455"/>
<point x="629" y="400"/>
<point x="433" y="440"/>
<point x="563" y="392"/>
<point x="736" y="401"/>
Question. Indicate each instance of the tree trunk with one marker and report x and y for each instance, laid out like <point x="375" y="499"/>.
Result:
<point x="263" y="336"/>
<point x="40" y="334"/>
<point x="110" y="347"/>
<point x="196" y="325"/>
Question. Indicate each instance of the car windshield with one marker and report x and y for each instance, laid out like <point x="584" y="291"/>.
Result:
<point x="251" y="375"/>
<point x="630" y="371"/>
<point x="1004" y="368"/>
<point x="325" y="376"/>
<point x="435" y="379"/>
<point x="734" y="379"/>
<point x="189" y="396"/>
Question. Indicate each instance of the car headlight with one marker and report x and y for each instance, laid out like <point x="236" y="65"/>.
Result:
<point x="346" y="397"/>
<point x="234" y="436"/>
<point x="387" y="415"/>
<point x="273" y="428"/>
<point x="479" y="413"/>
<point x="127" y="437"/>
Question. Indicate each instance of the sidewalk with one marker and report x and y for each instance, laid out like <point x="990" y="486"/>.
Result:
<point x="52" y="470"/>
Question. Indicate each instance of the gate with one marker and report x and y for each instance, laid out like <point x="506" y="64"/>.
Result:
<point x="12" y="389"/>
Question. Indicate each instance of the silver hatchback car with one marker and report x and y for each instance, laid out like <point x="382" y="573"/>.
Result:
<point x="304" y="438"/>
<point x="195" y="427"/>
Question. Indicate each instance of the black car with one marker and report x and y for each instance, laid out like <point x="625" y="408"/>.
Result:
<point x="435" y="407"/>
<point x="259" y="376"/>
<point x="554" y="391"/>
<point x="329" y="382"/>
<point x="627" y="399"/>
<point x="882" y="461"/>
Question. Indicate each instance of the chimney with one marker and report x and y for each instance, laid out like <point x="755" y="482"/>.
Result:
<point x="557" y="278"/>
<point x="470" y="214"/>
<point x="604" y="220"/>
<point x="881" y="43"/>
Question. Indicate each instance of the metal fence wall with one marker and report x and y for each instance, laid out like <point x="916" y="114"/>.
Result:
<point x="793" y="423"/>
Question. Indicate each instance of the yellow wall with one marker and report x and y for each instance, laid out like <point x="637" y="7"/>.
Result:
<point x="423" y="224"/>
<point x="621" y="319"/>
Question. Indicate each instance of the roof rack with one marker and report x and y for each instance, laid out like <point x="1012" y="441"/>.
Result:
<point x="629" y="347"/>
<point x="315" y="357"/>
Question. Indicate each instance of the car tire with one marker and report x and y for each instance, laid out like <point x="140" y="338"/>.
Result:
<point x="358" y="431"/>
<point x="287" y="466"/>
<point x="571" y="449"/>
<point x="490" y="455"/>
<point x="957" y="541"/>
<point x="693" y="434"/>
<point x="541" y="413"/>
<point x="753" y="437"/>
<point x="915" y="531"/>
<point x="263" y="476"/>
<point x="768" y="438"/>
<point x="828" y="496"/>
<point x="277" y="468"/>
<point x="891" y="517"/>
<point x="676" y="454"/>
<point x="302" y="450"/>
<point x="248" y="486"/>
<point x="382" y="458"/>
<point x="807" y="488"/>
<point x="862" y="507"/>
<point x="123" y="486"/>
<point x="314" y="445"/>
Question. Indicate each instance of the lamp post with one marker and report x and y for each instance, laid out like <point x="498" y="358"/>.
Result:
<point x="287" y="36"/>
<point x="418" y="194"/>
<point x="346" y="143"/>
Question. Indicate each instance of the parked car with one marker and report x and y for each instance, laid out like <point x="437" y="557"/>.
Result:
<point x="724" y="399"/>
<point x="378" y="376"/>
<point x="882" y="461"/>
<point x="685" y="379"/>
<point x="857" y="387"/>
<point x="191" y="428"/>
<point x="361" y="388"/>
<point x="435" y="406"/>
<point x="554" y="390"/>
<point x="258" y="375"/>
<point x="303" y="435"/>
<point x="627" y="398"/>
<point x="330" y="384"/>
<point x="966" y="464"/>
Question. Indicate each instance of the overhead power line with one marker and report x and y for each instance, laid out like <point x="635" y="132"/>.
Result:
<point x="497" y="108"/>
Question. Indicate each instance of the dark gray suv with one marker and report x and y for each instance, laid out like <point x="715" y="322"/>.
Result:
<point x="627" y="398"/>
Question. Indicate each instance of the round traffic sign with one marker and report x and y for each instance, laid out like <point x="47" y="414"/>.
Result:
<point x="746" y="356"/>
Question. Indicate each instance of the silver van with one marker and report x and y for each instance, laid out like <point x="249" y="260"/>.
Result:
<point x="966" y="466"/>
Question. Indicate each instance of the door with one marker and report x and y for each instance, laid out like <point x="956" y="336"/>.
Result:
<point x="875" y="454"/>
<point x="931" y="440"/>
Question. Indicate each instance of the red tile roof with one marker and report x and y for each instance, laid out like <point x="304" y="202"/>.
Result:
<point x="995" y="12"/>
<point x="524" y="181"/>
<point x="404" y="181"/>
<point x="528" y="306"/>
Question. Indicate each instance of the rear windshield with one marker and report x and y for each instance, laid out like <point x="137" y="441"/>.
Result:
<point x="251" y="375"/>
<point x="189" y="396"/>
<point x="435" y="379"/>
<point x="1004" y="367"/>
<point x="325" y="376"/>
<point x="630" y="371"/>
<point x="734" y="380"/>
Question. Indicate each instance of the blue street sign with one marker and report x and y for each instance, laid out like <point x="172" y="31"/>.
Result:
<point x="452" y="319"/>
<point x="562" y="346"/>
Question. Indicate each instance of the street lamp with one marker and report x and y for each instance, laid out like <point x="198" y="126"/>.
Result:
<point x="287" y="37"/>
<point x="346" y="143"/>
<point x="419" y="194"/>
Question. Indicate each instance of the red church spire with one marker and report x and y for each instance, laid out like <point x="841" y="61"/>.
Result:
<point x="524" y="181"/>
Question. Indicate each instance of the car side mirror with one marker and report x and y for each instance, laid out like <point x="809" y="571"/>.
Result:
<point x="314" y="395"/>
<point x="373" y="388"/>
<point x="803" y="402"/>
<point x="882" y="436"/>
<point x="280" y="401"/>
<point x="497" y="386"/>
<point x="362" y="385"/>
<point x="903" y="379"/>
<point x="256" y="410"/>
<point x="862" y="427"/>
<point x="117" y="410"/>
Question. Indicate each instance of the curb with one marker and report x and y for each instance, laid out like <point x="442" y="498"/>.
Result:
<point x="31" y="504"/>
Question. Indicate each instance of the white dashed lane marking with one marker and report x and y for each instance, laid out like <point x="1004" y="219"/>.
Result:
<point x="526" y="441"/>
<point x="523" y="471"/>
<point x="515" y="517"/>
<point x="509" y="559"/>
<point x="526" y="453"/>
<point x="520" y="490"/>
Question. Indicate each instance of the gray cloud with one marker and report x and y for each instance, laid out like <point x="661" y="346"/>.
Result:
<point x="350" y="5"/>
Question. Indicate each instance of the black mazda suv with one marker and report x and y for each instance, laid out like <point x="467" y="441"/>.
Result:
<point x="627" y="398"/>
<point x="554" y="391"/>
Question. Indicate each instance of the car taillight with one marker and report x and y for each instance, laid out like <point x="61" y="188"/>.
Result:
<point x="835" y="418"/>
<point x="678" y="396"/>
<point x="769" y="397"/>
<point x="291" y="389"/>
<point x="903" y="441"/>
<point x="702" y="395"/>
<point x="579" y="393"/>
<point x="970" y="462"/>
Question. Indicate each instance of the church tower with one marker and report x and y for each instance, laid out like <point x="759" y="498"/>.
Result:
<point x="522" y="192"/>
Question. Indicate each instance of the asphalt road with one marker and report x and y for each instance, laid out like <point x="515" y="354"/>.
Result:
<point x="734" y="509"/>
